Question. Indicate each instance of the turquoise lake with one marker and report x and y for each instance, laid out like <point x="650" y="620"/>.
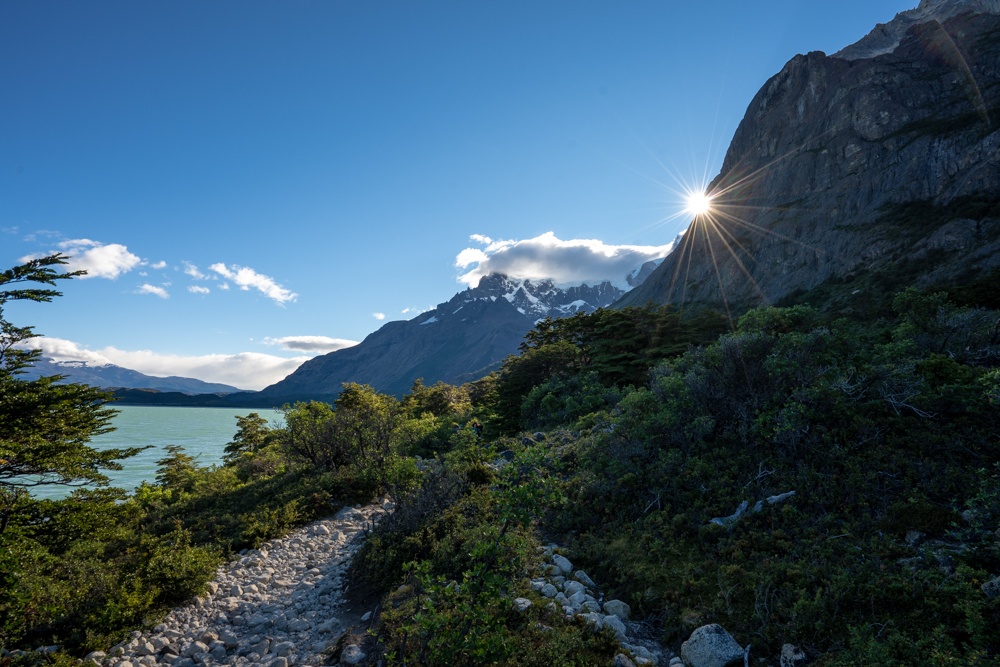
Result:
<point x="202" y="432"/>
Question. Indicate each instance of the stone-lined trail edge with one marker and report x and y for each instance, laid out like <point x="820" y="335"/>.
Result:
<point x="276" y="606"/>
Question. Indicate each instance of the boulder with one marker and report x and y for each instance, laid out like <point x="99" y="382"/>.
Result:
<point x="792" y="656"/>
<point x="617" y="608"/>
<point x="352" y="655"/>
<point x="615" y="624"/>
<point x="992" y="588"/>
<point x="563" y="563"/>
<point x="711" y="646"/>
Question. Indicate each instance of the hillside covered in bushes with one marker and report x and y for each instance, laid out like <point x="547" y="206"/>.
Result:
<point x="645" y="443"/>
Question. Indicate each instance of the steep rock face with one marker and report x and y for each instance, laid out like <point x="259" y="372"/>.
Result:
<point x="848" y="166"/>
<point x="460" y="340"/>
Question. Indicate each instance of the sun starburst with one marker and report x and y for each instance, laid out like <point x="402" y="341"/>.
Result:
<point x="698" y="203"/>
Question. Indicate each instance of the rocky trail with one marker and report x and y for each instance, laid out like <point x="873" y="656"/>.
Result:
<point x="285" y="605"/>
<point x="279" y="605"/>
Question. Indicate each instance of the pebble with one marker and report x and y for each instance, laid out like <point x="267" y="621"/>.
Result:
<point x="276" y="605"/>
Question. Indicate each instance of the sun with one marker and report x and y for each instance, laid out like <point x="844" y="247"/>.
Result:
<point x="698" y="203"/>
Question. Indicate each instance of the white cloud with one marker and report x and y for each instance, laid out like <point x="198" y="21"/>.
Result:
<point x="192" y="270"/>
<point x="379" y="316"/>
<point x="159" y="265"/>
<point x="99" y="260"/>
<point x="316" y="344"/>
<point x="198" y="289"/>
<point x="246" y="370"/>
<point x="246" y="278"/>
<point x="224" y="286"/>
<point x="146" y="288"/>
<point x="564" y="262"/>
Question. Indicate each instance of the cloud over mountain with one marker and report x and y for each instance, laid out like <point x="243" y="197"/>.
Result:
<point x="246" y="370"/>
<point x="546" y="257"/>
<point x="315" y="344"/>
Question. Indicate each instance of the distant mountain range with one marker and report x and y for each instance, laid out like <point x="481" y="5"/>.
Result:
<point x="109" y="376"/>
<point x="461" y="340"/>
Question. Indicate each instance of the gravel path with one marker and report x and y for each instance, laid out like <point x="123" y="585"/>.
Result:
<point x="280" y="605"/>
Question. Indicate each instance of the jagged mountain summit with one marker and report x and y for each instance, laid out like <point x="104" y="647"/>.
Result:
<point x="854" y="175"/>
<point x="460" y="340"/>
<point x="887" y="36"/>
<point x="110" y="376"/>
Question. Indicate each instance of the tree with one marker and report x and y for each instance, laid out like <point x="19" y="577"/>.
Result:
<point x="361" y="427"/>
<point x="44" y="425"/>
<point x="252" y="435"/>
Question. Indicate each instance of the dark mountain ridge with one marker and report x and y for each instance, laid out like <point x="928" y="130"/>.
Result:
<point x="110" y="376"/>
<point x="460" y="340"/>
<point x="853" y="174"/>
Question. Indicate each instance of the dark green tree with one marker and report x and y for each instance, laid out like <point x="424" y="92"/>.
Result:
<point x="252" y="435"/>
<point x="44" y="425"/>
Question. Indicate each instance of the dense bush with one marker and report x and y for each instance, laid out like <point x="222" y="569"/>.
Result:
<point x="641" y="451"/>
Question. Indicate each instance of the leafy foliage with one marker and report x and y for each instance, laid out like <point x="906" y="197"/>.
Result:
<point x="646" y="426"/>
<point x="44" y="425"/>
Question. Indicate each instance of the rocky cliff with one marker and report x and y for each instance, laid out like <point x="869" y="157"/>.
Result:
<point x="849" y="167"/>
<point x="460" y="340"/>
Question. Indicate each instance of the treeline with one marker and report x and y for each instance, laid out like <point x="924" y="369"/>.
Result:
<point x="645" y="442"/>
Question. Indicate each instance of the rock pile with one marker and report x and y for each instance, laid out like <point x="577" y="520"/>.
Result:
<point x="577" y="594"/>
<point x="275" y="606"/>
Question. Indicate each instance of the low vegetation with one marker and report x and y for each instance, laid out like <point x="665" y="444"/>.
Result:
<point x="630" y="438"/>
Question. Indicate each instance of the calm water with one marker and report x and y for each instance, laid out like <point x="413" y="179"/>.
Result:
<point x="202" y="432"/>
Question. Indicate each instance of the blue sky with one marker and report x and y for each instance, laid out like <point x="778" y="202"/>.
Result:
<point x="251" y="183"/>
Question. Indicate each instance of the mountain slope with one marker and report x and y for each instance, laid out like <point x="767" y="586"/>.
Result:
<point x="460" y="340"/>
<point x="111" y="376"/>
<point x="843" y="171"/>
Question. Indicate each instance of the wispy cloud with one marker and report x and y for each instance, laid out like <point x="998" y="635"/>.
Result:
<point x="192" y="270"/>
<point x="158" y="265"/>
<point x="198" y="289"/>
<point x="546" y="257"/>
<point x="316" y="344"/>
<point x="98" y="259"/>
<point x="247" y="278"/>
<point x="379" y="316"/>
<point x="245" y="370"/>
<point x="146" y="288"/>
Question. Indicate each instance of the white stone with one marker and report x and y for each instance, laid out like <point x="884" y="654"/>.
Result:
<point x="563" y="563"/>
<point x="710" y="646"/>
<point x="352" y="655"/>
<point x="615" y="624"/>
<point x="617" y="608"/>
